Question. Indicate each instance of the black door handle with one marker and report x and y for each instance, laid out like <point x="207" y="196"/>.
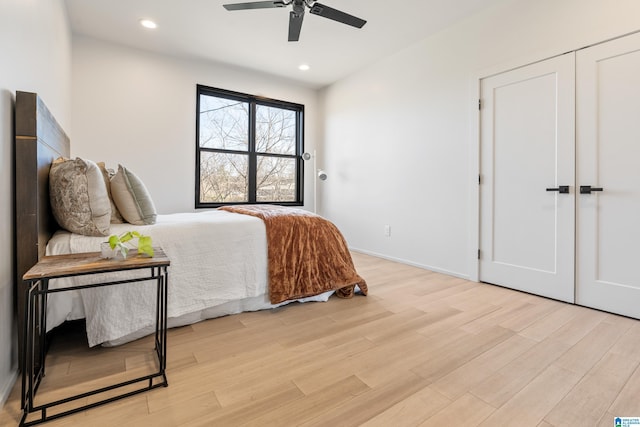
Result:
<point x="562" y="189"/>
<point x="587" y="189"/>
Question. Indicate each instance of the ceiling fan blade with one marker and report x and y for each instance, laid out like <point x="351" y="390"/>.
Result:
<point x="337" y="15"/>
<point x="254" y="5"/>
<point x="295" y="25"/>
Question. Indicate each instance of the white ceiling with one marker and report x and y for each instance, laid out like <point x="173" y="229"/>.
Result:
<point x="257" y="39"/>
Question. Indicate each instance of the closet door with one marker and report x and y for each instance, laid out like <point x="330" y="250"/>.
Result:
<point x="527" y="219"/>
<point x="608" y="138"/>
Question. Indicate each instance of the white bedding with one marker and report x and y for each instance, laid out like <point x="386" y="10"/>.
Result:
<point x="218" y="267"/>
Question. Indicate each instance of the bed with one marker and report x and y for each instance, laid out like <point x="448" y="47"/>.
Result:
<point x="222" y="261"/>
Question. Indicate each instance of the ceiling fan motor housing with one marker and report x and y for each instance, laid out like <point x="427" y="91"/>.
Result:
<point x="298" y="7"/>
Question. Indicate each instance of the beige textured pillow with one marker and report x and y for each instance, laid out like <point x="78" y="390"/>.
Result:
<point x="132" y="198"/>
<point x="116" y="217"/>
<point x="78" y="196"/>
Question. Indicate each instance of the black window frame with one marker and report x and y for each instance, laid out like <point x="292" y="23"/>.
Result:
<point x="253" y="101"/>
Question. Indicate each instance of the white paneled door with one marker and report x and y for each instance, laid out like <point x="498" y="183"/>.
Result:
<point x="560" y="167"/>
<point x="527" y="196"/>
<point x="608" y="135"/>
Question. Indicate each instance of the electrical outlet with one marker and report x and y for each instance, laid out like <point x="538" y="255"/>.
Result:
<point x="387" y="230"/>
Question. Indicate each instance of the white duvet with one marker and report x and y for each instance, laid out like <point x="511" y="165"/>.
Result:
<point x="218" y="267"/>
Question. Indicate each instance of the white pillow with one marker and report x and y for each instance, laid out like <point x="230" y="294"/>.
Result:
<point x="132" y="198"/>
<point x="116" y="218"/>
<point x="78" y="197"/>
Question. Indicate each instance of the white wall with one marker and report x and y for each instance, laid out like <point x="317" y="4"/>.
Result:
<point x="35" y="56"/>
<point x="399" y="136"/>
<point x="138" y="108"/>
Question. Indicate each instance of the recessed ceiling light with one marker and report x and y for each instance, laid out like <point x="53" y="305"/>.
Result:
<point x="303" y="67"/>
<point x="147" y="23"/>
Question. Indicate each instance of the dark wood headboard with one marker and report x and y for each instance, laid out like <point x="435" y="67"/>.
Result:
<point x="39" y="140"/>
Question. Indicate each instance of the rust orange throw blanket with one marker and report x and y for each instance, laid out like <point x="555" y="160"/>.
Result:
<point x="307" y="254"/>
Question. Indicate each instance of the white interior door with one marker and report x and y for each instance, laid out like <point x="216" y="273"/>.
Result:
<point x="528" y="145"/>
<point x="608" y="135"/>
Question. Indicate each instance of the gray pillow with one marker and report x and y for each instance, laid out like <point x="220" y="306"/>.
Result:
<point x="132" y="198"/>
<point x="78" y="197"/>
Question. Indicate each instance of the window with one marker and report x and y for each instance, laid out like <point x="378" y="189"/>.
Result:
<point x="249" y="149"/>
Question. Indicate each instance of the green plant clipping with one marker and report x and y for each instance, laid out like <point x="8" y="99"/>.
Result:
<point x="144" y="243"/>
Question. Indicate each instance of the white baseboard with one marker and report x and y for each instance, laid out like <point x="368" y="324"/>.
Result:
<point x="414" y="264"/>
<point x="7" y="387"/>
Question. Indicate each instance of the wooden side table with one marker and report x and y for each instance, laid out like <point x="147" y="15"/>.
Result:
<point x="33" y="354"/>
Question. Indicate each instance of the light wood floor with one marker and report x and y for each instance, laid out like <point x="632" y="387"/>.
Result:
<point x="423" y="349"/>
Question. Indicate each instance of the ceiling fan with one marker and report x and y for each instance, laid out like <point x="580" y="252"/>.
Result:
<point x="297" y="14"/>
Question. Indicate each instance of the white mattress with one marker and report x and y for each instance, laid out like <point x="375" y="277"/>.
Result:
<point x="218" y="267"/>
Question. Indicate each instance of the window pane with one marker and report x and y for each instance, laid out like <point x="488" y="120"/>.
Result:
<point x="224" y="123"/>
<point x="248" y="149"/>
<point x="223" y="177"/>
<point x="275" y="130"/>
<point x="276" y="179"/>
